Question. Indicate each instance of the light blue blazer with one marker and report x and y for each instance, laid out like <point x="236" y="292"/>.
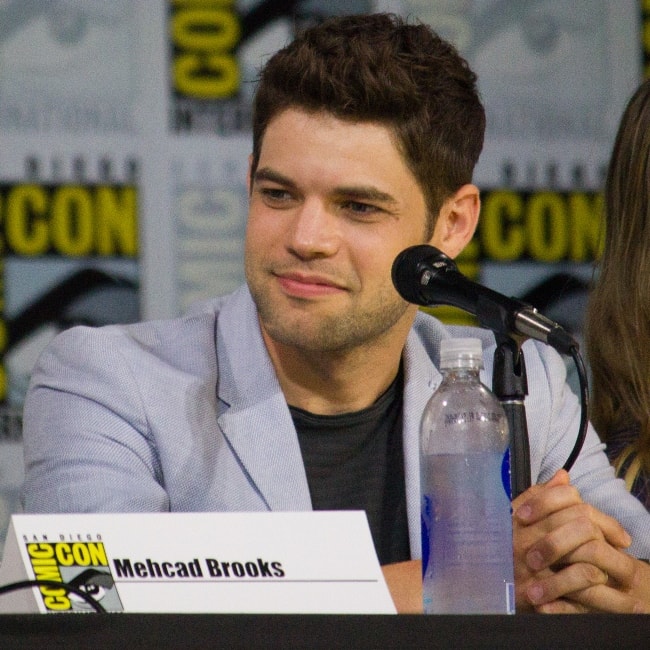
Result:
<point x="187" y="415"/>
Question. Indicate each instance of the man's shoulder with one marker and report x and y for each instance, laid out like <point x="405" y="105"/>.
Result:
<point x="184" y="340"/>
<point x="147" y="333"/>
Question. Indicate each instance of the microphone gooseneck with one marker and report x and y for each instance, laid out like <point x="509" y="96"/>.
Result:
<point x="425" y="276"/>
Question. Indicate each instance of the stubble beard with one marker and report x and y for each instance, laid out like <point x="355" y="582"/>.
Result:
<point x="313" y="330"/>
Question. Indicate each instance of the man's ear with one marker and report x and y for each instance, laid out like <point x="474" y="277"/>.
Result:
<point x="457" y="221"/>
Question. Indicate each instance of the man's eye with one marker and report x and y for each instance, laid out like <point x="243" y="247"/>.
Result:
<point x="360" y="208"/>
<point x="274" y="193"/>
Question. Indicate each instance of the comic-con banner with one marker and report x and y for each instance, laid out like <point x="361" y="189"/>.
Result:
<point x="537" y="245"/>
<point x="76" y="91"/>
<point x="69" y="255"/>
<point x="125" y="132"/>
<point x="68" y="66"/>
<point x="57" y="236"/>
<point x="208" y="200"/>
<point x="216" y="49"/>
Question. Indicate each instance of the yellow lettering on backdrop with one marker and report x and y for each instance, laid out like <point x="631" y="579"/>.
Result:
<point x="500" y="226"/>
<point x="205" y="36"/>
<point x="26" y="230"/>
<point x="71" y="220"/>
<point x="543" y="226"/>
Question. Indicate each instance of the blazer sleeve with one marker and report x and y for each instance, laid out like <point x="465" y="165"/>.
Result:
<point x="554" y="420"/>
<point x="86" y="441"/>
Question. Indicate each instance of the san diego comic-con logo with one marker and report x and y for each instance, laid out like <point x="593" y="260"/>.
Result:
<point x="82" y="565"/>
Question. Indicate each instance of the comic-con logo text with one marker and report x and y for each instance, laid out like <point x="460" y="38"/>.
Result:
<point x="48" y="558"/>
<point x="69" y="220"/>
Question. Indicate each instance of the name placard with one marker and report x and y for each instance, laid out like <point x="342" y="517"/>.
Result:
<point x="289" y="562"/>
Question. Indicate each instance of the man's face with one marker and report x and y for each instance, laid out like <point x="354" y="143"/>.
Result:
<point x="332" y="204"/>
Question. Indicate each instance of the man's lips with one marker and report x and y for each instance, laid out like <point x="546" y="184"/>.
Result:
<point x="303" y="285"/>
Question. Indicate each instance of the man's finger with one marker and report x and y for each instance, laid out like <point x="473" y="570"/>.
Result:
<point x="570" y="579"/>
<point x="560" y="504"/>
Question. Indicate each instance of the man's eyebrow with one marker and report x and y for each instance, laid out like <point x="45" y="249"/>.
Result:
<point x="365" y="193"/>
<point x="267" y="174"/>
<point x="358" y="192"/>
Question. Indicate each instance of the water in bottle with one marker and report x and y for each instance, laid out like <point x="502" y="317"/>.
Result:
<point x="467" y="559"/>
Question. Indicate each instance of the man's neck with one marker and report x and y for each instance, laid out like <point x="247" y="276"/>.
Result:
<point x="328" y="383"/>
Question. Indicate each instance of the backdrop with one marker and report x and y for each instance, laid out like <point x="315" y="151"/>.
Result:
<point x="124" y="136"/>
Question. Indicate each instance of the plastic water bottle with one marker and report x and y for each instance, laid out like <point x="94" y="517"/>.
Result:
<point x="467" y="560"/>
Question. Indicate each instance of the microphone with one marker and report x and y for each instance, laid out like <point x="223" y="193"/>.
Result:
<point x="425" y="276"/>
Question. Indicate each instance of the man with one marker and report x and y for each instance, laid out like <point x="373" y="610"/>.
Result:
<point x="304" y="389"/>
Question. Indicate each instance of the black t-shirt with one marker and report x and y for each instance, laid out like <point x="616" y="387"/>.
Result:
<point x="355" y="461"/>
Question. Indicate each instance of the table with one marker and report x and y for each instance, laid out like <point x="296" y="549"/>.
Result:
<point x="352" y="632"/>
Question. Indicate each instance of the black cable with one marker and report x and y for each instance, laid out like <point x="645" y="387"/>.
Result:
<point x="25" y="584"/>
<point x="584" y="415"/>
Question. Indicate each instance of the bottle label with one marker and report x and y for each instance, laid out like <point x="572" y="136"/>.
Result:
<point x="466" y="417"/>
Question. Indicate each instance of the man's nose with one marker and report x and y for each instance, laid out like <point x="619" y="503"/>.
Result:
<point x="314" y="231"/>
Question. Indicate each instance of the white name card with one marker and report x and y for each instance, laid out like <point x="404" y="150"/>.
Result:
<point x="293" y="562"/>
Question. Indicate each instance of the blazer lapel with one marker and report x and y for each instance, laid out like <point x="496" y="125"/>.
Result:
<point x="253" y="414"/>
<point x="421" y="378"/>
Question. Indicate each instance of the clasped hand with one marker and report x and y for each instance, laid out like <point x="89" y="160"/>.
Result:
<point x="570" y="557"/>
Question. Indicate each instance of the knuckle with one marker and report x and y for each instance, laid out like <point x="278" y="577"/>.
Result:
<point x="575" y="493"/>
<point x="591" y="573"/>
<point x="550" y="548"/>
<point x="585" y="523"/>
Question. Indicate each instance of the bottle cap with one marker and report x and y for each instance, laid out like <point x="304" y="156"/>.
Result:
<point x="461" y="353"/>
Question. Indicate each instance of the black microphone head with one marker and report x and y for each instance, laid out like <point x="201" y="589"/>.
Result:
<point x="409" y="266"/>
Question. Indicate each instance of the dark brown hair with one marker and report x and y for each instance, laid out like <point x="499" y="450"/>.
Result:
<point x="618" y="315"/>
<point x="377" y="68"/>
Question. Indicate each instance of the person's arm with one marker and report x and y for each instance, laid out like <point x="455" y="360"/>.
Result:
<point x="570" y="557"/>
<point x="87" y="442"/>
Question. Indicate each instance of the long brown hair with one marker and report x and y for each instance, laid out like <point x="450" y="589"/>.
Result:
<point x="618" y="315"/>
